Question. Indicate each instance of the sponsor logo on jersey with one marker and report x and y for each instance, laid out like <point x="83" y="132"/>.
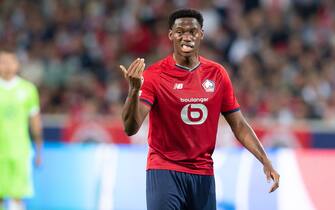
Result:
<point x="194" y="114"/>
<point x="193" y="100"/>
<point x="208" y="85"/>
<point x="178" y="86"/>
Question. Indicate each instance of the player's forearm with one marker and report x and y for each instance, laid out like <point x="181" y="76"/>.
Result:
<point x="36" y="130"/>
<point x="130" y="113"/>
<point x="38" y="142"/>
<point x="247" y="137"/>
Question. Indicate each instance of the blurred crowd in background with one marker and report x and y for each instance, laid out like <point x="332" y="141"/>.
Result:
<point x="280" y="53"/>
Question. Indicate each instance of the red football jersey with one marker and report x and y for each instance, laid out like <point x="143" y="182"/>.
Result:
<point x="185" y="109"/>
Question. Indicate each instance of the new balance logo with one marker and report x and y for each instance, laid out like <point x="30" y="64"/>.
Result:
<point x="178" y="86"/>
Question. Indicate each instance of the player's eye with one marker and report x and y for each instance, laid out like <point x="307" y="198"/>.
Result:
<point x="193" y="32"/>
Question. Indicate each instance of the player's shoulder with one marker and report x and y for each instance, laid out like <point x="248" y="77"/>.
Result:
<point x="156" y="68"/>
<point x="26" y="83"/>
<point x="213" y="65"/>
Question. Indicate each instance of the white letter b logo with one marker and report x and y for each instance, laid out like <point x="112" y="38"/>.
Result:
<point x="194" y="114"/>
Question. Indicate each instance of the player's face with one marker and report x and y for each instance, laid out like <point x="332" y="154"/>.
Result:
<point x="186" y="35"/>
<point x="9" y="65"/>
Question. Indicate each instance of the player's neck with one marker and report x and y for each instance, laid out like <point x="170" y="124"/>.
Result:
<point x="188" y="62"/>
<point x="8" y="79"/>
<point x="8" y="83"/>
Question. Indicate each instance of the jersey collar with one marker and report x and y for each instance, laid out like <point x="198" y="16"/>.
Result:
<point x="9" y="84"/>
<point x="173" y="63"/>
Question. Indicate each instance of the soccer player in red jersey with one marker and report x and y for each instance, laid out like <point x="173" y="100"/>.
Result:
<point x="185" y="94"/>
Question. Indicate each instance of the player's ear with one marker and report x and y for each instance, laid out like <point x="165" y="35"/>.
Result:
<point x="202" y="34"/>
<point x="170" y="35"/>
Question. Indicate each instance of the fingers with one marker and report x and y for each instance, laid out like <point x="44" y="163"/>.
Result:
<point x="134" y="73"/>
<point x="132" y="65"/>
<point x="271" y="174"/>
<point x="274" y="187"/>
<point x="275" y="177"/>
<point x="124" y="71"/>
<point x="137" y="69"/>
<point x="140" y="68"/>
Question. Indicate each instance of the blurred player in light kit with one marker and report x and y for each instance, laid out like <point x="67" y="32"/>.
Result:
<point x="185" y="94"/>
<point x="19" y="108"/>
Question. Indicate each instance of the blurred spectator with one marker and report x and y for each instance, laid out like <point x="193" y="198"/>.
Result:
<point x="280" y="53"/>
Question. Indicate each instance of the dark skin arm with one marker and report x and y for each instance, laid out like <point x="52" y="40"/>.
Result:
<point x="247" y="137"/>
<point x="134" y="112"/>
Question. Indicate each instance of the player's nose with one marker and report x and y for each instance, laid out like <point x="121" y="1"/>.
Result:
<point x="187" y="37"/>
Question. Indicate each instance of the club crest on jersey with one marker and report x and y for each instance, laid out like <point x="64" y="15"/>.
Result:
<point x="208" y="85"/>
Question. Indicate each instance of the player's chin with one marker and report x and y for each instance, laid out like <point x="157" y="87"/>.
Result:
<point x="187" y="53"/>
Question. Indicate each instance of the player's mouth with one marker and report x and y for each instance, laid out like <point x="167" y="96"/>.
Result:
<point x="187" y="47"/>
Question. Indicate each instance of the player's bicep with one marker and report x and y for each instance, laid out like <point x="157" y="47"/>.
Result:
<point x="235" y="120"/>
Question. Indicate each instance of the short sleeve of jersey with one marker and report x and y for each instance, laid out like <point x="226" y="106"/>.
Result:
<point x="229" y="101"/>
<point x="33" y="104"/>
<point x="147" y="92"/>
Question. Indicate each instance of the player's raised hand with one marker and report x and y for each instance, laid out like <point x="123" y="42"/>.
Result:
<point x="271" y="174"/>
<point x="134" y="73"/>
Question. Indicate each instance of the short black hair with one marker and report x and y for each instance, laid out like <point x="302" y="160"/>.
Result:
<point x="183" y="13"/>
